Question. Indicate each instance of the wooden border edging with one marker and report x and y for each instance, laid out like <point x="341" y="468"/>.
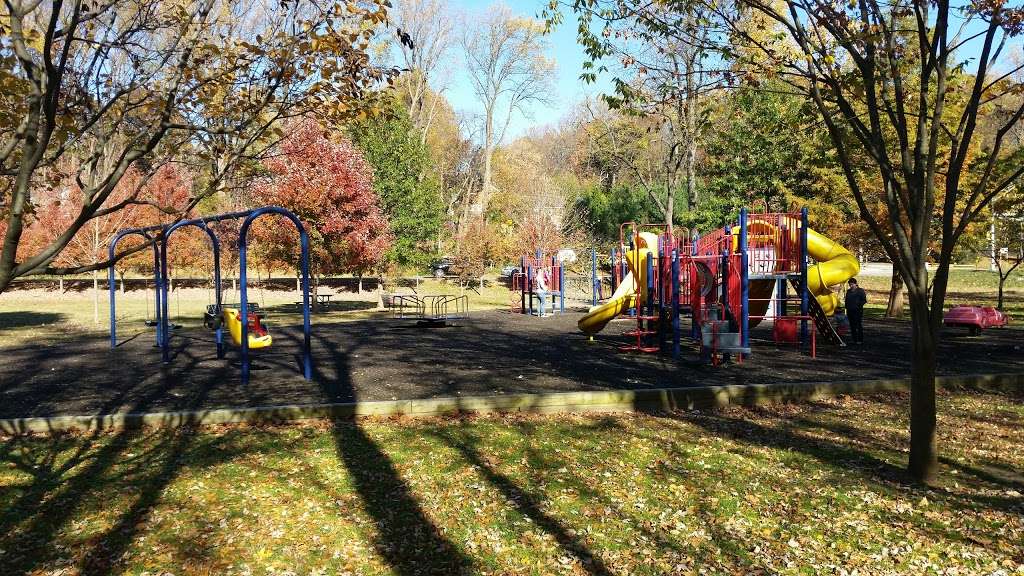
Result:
<point x="663" y="399"/>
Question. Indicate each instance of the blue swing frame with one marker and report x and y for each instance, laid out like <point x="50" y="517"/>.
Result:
<point x="160" y="235"/>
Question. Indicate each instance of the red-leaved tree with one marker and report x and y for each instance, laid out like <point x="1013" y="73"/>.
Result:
<point x="329" y="186"/>
<point x="150" y="199"/>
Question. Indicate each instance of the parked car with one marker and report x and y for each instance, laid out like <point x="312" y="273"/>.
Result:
<point x="508" y="271"/>
<point x="974" y="318"/>
<point x="442" y="267"/>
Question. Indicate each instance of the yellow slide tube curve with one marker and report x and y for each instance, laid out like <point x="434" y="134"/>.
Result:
<point x="835" y="266"/>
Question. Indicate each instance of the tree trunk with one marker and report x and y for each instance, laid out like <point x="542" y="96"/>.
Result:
<point x="359" y="288"/>
<point x="489" y="144"/>
<point x="924" y="462"/>
<point x="1002" y="282"/>
<point x="60" y="284"/>
<point x="95" y="296"/>
<point x="895" y="307"/>
<point x="690" y="143"/>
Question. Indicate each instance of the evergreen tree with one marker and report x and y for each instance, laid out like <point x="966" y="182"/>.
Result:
<point x="409" y="194"/>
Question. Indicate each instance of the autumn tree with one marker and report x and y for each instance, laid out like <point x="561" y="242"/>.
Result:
<point x="901" y="96"/>
<point x="1003" y="240"/>
<point x="107" y="86"/>
<point x="427" y="28"/>
<point x="507" y="68"/>
<point x="662" y="69"/>
<point x="328" y="184"/>
<point x="1008" y="237"/>
<point x="169" y="188"/>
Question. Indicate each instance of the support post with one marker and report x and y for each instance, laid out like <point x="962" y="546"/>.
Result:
<point x="675" y="304"/>
<point x="650" y="288"/>
<point x="804" y="304"/>
<point x="157" y="312"/>
<point x="595" y="284"/>
<point x="528" y="287"/>
<point x="615" y="272"/>
<point x="113" y="305"/>
<point x="165" y="336"/>
<point x="744" y="283"/>
<point x="561" y="288"/>
<point x="523" y="285"/>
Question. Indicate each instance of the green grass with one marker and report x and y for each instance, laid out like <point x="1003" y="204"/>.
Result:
<point x="967" y="285"/>
<point x="783" y="490"/>
<point x="49" y="316"/>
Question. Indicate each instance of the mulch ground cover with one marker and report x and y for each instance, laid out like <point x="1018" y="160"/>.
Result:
<point x="495" y="352"/>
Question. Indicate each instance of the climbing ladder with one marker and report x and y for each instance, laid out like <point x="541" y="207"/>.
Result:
<point x="821" y="321"/>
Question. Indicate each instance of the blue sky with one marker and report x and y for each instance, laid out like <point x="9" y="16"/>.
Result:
<point x="569" y="89"/>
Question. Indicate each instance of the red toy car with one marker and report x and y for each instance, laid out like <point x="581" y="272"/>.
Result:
<point x="974" y="318"/>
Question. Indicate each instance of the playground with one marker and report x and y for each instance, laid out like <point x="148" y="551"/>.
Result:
<point x="495" y="352"/>
<point x="769" y="489"/>
<point x="436" y="287"/>
<point x="676" y="310"/>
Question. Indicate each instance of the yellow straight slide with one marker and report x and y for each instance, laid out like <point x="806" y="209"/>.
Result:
<point x="625" y="295"/>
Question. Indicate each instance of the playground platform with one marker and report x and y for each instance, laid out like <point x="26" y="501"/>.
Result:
<point x="494" y="353"/>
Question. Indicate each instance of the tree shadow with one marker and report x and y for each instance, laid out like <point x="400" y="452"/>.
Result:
<point x="406" y="537"/>
<point x="728" y="545"/>
<point x="527" y="503"/>
<point x="868" y="463"/>
<point x="63" y="484"/>
<point x="25" y="319"/>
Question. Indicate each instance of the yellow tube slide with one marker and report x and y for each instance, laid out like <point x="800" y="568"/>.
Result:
<point x="625" y="295"/>
<point x="233" y="322"/>
<point x="835" y="266"/>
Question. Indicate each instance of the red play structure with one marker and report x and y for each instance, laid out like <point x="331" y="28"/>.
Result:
<point x="727" y="281"/>
<point x="524" y="283"/>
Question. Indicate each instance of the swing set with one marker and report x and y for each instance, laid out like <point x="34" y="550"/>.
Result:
<point x="244" y="321"/>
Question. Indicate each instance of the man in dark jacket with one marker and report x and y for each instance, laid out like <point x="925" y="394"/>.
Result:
<point x="856" y="298"/>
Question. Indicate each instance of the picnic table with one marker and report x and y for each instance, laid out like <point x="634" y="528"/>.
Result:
<point x="320" y="302"/>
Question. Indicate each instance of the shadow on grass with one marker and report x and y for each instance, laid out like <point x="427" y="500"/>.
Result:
<point x="406" y="537"/>
<point x="25" y="319"/>
<point x="727" y="544"/>
<point x="871" y="462"/>
<point x="76" y="474"/>
<point x="527" y="503"/>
